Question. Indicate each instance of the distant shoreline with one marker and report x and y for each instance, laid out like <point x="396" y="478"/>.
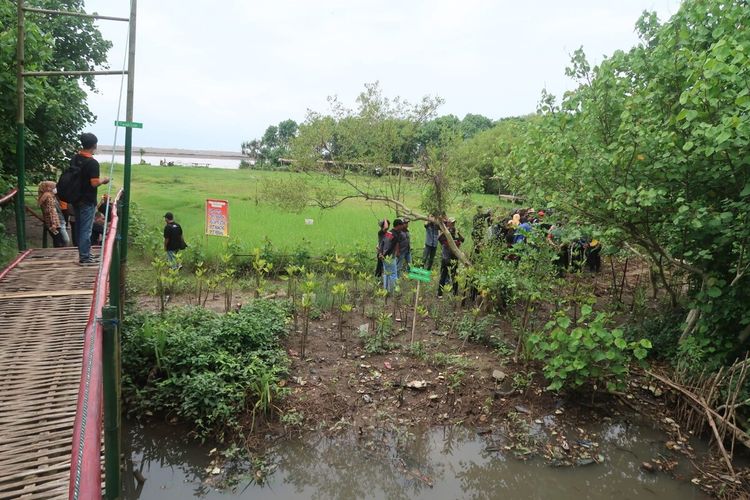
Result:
<point x="181" y="153"/>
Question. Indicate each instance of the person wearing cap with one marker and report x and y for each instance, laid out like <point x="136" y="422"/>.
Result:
<point x="86" y="207"/>
<point x="173" y="240"/>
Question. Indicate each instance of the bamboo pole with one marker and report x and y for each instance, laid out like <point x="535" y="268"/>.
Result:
<point x="414" y="318"/>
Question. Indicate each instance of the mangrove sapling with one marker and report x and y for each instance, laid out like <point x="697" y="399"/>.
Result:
<point x="200" y="282"/>
<point x="339" y="297"/>
<point x="379" y="306"/>
<point x="167" y="278"/>
<point x="343" y="309"/>
<point x="371" y="285"/>
<point x="227" y="278"/>
<point x="261" y="267"/>
<point x="308" y="299"/>
<point x="293" y="272"/>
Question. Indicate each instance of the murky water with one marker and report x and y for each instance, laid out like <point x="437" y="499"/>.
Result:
<point x="448" y="463"/>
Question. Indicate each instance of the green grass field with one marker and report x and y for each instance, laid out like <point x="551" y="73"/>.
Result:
<point x="184" y="190"/>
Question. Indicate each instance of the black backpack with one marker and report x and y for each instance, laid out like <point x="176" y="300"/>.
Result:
<point x="69" y="185"/>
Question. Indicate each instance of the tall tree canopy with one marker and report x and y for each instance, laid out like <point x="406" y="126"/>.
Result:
<point x="56" y="107"/>
<point x="654" y="143"/>
<point x="275" y="144"/>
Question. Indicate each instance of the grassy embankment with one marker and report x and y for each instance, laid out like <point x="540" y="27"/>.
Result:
<point x="183" y="191"/>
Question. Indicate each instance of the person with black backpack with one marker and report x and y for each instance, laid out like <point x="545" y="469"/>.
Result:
<point x="173" y="240"/>
<point x="77" y="186"/>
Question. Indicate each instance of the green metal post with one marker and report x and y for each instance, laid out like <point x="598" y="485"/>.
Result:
<point x="114" y="276"/>
<point x="20" y="128"/>
<point x="126" y="195"/>
<point x="111" y="379"/>
<point x="128" y="135"/>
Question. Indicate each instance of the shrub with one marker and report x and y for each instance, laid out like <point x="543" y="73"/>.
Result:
<point x="204" y="367"/>
<point x="586" y="353"/>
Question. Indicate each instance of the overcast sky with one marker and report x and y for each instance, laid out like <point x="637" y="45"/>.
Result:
<point x="210" y="75"/>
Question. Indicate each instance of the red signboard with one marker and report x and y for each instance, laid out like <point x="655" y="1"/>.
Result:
<point x="217" y="217"/>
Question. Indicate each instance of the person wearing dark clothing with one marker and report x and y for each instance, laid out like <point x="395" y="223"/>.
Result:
<point x="105" y="207"/>
<point x="173" y="240"/>
<point x="593" y="256"/>
<point x="384" y="226"/>
<point x="97" y="230"/>
<point x="86" y="207"/>
<point x="449" y="260"/>
<point x="432" y="231"/>
<point x="391" y="251"/>
<point x="404" y="260"/>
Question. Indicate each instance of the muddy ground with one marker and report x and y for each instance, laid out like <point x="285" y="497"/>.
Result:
<point x="338" y="387"/>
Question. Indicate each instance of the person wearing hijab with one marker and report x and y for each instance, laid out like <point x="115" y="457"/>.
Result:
<point x="54" y="222"/>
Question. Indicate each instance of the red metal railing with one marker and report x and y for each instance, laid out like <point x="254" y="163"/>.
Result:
<point x="85" y="467"/>
<point x="13" y="264"/>
<point x="6" y="198"/>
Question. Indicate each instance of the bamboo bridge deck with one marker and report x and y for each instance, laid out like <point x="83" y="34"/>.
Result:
<point x="45" y="301"/>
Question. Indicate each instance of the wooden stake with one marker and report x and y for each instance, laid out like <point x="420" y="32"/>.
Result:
<point x="414" y="319"/>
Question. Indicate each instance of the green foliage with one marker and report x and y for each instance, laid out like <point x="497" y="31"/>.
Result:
<point x="663" y="330"/>
<point x="443" y="360"/>
<point x="487" y="153"/>
<point x="379" y="341"/>
<point x="480" y="330"/>
<point x="503" y="276"/>
<point x="653" y="143"/>
<point x="378" y="131"/>
<point x="585" y="352"/>
<point x="275" y="144"/>
<point x="56" y="107"/>
<point x="205" y="368"/>
<point x="418" y="350"/>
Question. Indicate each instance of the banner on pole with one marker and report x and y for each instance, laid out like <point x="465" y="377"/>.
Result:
<point x="419" y="274"/>
<point x="217" y="218"/>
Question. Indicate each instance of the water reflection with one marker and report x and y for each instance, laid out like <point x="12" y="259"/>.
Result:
<point x="439" y="463"/>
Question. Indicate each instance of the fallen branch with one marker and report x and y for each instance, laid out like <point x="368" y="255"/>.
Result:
<point x="738" y="433"/>
<point x="719" y="441"/>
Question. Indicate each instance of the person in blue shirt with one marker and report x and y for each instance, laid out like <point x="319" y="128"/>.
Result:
<point x="523" y="229"/>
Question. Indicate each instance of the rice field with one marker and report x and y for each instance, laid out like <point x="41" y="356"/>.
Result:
<point x="254" y="219"/>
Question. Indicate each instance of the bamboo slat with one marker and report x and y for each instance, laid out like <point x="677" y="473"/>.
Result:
<point x="44" y="306"/>
<point x="44" y="293"/>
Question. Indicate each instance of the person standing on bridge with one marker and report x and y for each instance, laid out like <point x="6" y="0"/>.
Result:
<point x="54" y="222"/>
<point x="86" y="206"/>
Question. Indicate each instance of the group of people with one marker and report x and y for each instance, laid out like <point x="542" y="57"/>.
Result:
<point x="488" y="228"/>
<point x="81" y="223"/>
<point x="394" y="251"/>
<point x="575" y="252"/>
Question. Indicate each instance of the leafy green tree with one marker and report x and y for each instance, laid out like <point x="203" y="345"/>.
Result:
<point x="432" y="131"/>
<point x="471" y="125"/>
<point x="286" y="131"/>
<point x="366" y="139"/>
<point x="653" y="143"/>
<point x="487" y="155"/>
<point x="56" y="108"/>
<point x="271" y="137"/>
<point x="274" y="144"/>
